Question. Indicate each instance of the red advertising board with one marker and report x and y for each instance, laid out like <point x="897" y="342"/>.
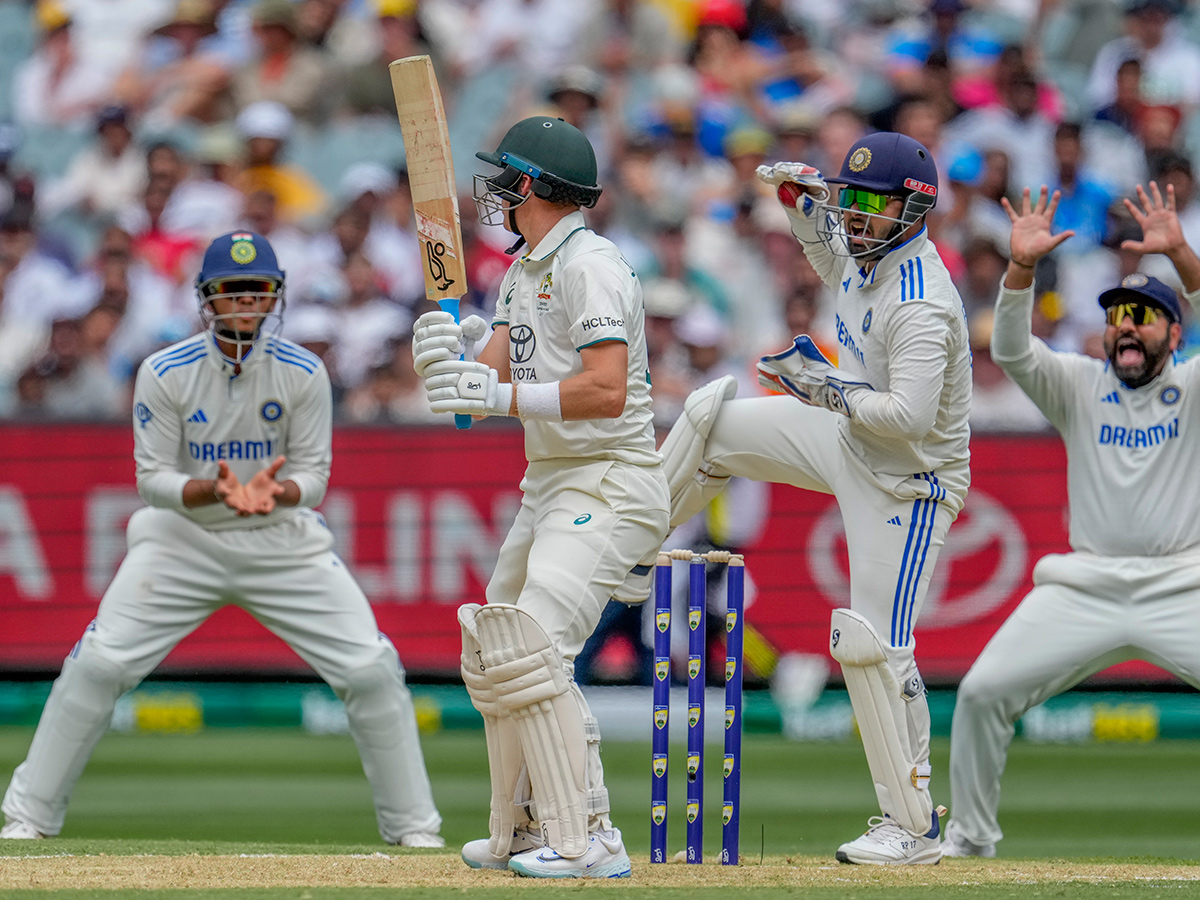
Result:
<point x="420" y="513"/>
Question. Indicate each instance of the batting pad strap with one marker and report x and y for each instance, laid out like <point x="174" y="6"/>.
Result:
<point x="879" y="707"/>
<point x="539" y="401"/>
<point x="691" y="480"/>
<point x="523" y="665"/>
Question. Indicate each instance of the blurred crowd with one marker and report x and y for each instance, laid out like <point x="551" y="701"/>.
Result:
<point x="134" y="131"/>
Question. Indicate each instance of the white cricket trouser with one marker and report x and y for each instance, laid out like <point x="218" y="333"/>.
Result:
<point x="892" y="543"/>
<point x="175" y="575"/>
<point x="581" y="527"/>
<point x="1084" y="614"/>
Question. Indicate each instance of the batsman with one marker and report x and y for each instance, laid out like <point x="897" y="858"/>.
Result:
<point x="568" y="357"/>
<point x="884" y="431"/>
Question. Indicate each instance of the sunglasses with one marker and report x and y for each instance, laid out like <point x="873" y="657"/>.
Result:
<point x="866" y="201"/>
<point x="229" y="286"/>
<point x="1140" y="313"/>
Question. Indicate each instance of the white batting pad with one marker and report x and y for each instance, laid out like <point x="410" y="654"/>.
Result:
<point x="879" y="707"/>
<point x="530" y="682"/>
<point x="506" y="761"/>
<point x="692" y="484"/>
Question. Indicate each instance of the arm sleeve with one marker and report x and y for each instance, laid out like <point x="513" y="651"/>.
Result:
<point x="918" y="336"/>
<point x="594" y="289"/>
<point x="1193" y="300"/>
<point x="1041" y="373"/>
<point x="826" y="264"/>
<point x="157" y="432"/>
<point x="310" y="440"/>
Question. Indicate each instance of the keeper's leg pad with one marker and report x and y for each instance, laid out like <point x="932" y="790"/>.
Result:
<point x="528" y="676"/>
<point x="506" y="761"/>
<point x="692" y="482"/>
<point x="878" y="701"/>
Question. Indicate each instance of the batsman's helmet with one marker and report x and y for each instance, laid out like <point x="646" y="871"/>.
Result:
<point x="240" y="264"/>
<point x="555" y="154"/>
<point x="894" y="165"/>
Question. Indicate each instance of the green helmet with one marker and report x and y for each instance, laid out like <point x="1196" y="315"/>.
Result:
<point x="556" y="154"/>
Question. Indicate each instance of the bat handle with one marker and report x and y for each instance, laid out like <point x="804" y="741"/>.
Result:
<point x="450" y="305"/>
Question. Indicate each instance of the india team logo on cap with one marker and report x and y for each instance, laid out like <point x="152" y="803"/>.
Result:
<point x="1136" y="280"/>
<point x="859" y="159"/>
<point x="242" y="252"/>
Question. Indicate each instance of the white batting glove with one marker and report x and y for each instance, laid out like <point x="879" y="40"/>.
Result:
<point x="803" y="371"/>
<point x="473" y="330"/>
<point x="466" y="388"/>
<point x="798" y="187"/>
<point x="436" y="338"/>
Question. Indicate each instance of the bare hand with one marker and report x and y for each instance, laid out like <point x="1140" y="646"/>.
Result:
<point x="231" y="492"/>
<point x="262" y="489"/>
<point x="1161" y="231"/>
<point x="1031" y="238"/>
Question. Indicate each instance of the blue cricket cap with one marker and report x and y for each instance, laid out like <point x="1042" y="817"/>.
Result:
<point x="1144" y="289"/>
<point x="239" y="254"/>
<point x="887" y="162"/>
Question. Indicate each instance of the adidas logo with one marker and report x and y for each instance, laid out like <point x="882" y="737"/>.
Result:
<point x="894" y="520"/>
<point x="1111" y="398"/>
<point x="197" y="416"/>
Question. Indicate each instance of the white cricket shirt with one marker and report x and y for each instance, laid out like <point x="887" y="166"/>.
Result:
<point x="902" y="329"/>
<point x="1131" y="467"/>
<point x="572" y="291"/>
<point x="190" y="411"/>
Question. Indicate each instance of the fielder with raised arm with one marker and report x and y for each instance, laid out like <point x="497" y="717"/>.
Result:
<point x="885" y="432"/>
<point x="1130" y="588"/>
<point x="232" y="440"/>
<point x="568" y="356"/>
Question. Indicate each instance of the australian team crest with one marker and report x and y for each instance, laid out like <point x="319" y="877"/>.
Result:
<point x="859" y="159"/>
<point x="542" y="301"/>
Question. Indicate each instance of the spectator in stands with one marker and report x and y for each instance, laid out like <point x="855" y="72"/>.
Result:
<point x="266" y="126"/>
<point x="625" y="39"/>
<point x="67" y="383"/>
<point x="284" y="70"/>
<point x="208" y="202"/>
<point x="261" y="214"/>
<point x="58" y="86"/>
<point x="1126" y="103"/>
<point x="666" y="300"/>
<point x="997" y="403"/>
<point x="1170" y="63"/>
<point x="104" y="177"/>
<point x="367" y="86"/>
<point x="32" y="290"/>
<point x="170" y="254"/>
<point x="180" y="73"/>
<point x="367" y="320"/>
<point x="392" y="391"/>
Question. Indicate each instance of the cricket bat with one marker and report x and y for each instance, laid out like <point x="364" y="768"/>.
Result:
<point x="431" y="179"/>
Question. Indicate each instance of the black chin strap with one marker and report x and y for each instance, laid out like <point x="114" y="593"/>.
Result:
<point x="517" y="244"/>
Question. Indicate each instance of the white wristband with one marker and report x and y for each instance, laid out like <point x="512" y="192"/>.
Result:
<point x="539" y="401"/>
<point x="503" y="403"/>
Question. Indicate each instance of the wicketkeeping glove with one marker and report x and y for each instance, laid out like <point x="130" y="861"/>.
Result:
<point x="803" y="371"/>
<point x="789" y="180"/>
<point x="437" y="338"/>
<point x="467" y="388"/>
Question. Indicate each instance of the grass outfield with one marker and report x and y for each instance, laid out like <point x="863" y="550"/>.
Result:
<point x="1081" y="821"/>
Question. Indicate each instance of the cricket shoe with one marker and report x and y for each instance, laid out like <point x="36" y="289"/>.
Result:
<point x="477" y="855"/>
<point x="886" y="843"/>
<point x="956" y="845"/>
<point x="16" y="830"/>
<point x="605" y="858"/>
<point x="424" y="839"/>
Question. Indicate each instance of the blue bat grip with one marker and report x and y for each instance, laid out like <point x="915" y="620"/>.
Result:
<point x="450" y="305"/>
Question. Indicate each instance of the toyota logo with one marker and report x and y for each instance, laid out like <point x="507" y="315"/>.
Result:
<point x="521" y="343"/>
